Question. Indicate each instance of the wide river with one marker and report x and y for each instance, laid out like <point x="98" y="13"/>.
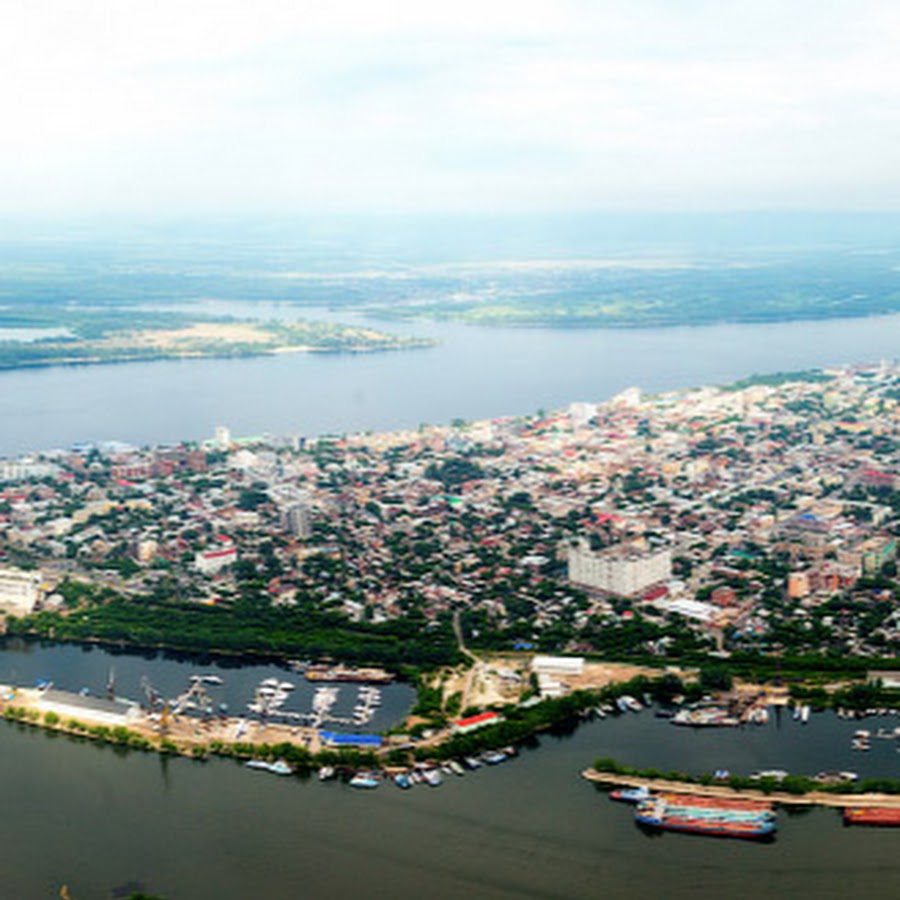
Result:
<point x="94" y="819"/>
<point x="474" y="372"/>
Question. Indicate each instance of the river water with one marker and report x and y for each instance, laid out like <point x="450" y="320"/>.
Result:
<point x="474" y="372"/>
<point x="95" y="819"/>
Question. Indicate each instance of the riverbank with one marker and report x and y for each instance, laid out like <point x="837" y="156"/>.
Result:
<point x="813" y="798"/>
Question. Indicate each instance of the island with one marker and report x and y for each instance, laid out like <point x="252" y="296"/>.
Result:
<point x="32" y="337"/>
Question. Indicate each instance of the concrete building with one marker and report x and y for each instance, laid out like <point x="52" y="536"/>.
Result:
<point x="209" y="562"/>
<point x="299" y="521"/>
<point x="222" y="438"/>
<point x="876" y="552"/>
<point x="624" y="570"/>
<point x="19" y="591"/>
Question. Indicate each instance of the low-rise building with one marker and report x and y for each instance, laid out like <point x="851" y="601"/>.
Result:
<point x="19" y="591"/>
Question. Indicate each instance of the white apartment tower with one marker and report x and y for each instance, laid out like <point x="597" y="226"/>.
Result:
<point x="623" y="570"/>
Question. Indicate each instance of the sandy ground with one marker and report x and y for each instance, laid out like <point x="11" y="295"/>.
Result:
<point x="201" y="332"/>
<point x="499" y="679"/>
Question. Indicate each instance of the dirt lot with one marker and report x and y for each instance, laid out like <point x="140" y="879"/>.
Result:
<point x="500" y="679"/>
<point x="204" y="333"/>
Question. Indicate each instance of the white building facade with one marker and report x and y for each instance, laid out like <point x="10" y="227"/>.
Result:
<point x="622" y="570"/>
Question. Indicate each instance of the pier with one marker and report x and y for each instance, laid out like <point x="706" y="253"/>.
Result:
<point x="813" y="798"/>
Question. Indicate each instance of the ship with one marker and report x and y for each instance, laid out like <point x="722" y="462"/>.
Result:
<point x="705" y="717"/>
<point x="365" y="780"/>
<point x="707" y="816"/>
<point x="348" y="673"/>
<point x="279" y="767"/>
<point x="630" y="795"/>
<point x="872" y="815"/>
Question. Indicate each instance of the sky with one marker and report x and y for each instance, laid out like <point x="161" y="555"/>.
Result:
<point x="311" y="106"/>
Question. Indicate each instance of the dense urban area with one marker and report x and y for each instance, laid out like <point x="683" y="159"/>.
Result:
<point x="754" y="519"/>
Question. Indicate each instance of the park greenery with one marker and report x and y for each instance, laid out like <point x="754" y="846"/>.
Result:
<point x="249" y="628"/>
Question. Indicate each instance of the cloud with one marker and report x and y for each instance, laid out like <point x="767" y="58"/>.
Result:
<point x="227" y="105"/>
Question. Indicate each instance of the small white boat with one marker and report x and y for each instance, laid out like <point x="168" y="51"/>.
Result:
<point x="364" y="780"/>
<point x="279" y="767"/>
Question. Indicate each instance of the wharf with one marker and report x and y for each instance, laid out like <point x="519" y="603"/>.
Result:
<point x="813" y="798"/>
<point x="184" y="732"/>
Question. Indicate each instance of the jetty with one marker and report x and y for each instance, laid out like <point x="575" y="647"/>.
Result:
<point x="721" y="791"/>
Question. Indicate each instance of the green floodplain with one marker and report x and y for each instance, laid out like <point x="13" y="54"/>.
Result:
<point x="33" y="335"/>
<point x="136" y="297"/>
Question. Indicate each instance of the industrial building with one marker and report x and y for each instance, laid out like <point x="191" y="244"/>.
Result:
<point x="92" y="710"/>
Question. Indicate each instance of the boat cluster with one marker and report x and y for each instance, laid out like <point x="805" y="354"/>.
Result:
<point x="862" y="737"/>
<point x="367" y="702"/>
<point x="270" y="696"/>
<point x="865" y="713"/>
<point x="429" y="773"/>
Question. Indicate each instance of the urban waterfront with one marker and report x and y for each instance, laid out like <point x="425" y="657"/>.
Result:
<point x="475" y="372"/>
<point x="93" y="818"/>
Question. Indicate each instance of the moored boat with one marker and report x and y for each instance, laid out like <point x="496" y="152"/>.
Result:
<point x="493" y="757"/>
<point x="712" y="821"/>
<point x="348" y="673"/>
<point x="365" y="780"/>
<point x="630" y="795"/>
<point x="279" y="767"/>
<point x="872" y="815"/>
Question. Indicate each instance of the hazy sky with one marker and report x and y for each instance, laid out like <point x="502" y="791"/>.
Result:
<point x="268" y="105"/>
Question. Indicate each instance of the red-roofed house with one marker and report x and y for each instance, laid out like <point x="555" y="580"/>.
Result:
<point x="471" y="723"/>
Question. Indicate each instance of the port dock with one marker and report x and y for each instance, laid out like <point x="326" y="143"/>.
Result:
<point x="813" y="798"/>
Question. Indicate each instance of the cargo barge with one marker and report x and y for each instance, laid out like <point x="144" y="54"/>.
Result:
<point x="872" y="815"/>
<point x="694" y="815"/>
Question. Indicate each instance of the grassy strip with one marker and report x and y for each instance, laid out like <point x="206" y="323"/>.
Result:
<point x="797" y="785"/>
